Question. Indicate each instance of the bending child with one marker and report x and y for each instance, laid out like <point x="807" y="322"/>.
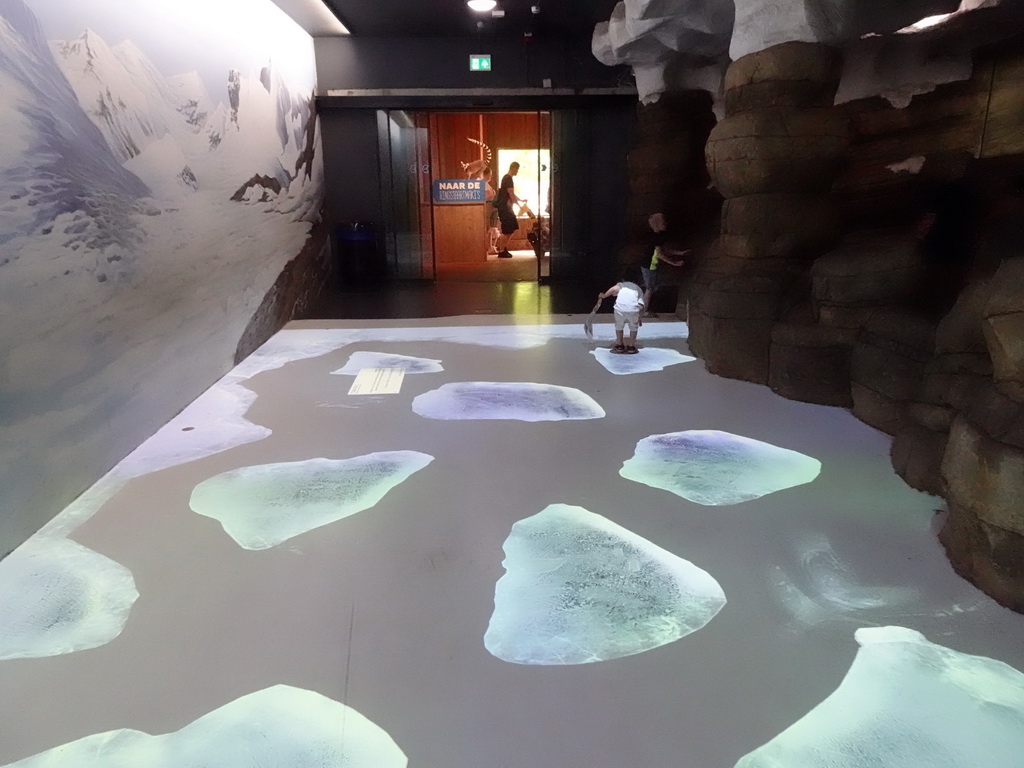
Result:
<point x="629" y="305"/>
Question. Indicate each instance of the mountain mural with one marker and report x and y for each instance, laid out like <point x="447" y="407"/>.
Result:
<point x="58" y="172"/>
<point x="145" y="215"/>
<point x="174" y="136"/>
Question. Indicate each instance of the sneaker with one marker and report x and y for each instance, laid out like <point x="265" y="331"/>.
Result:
<point x="504" y="255"/>
<point x="632" y="351"/>
<point x="618" y="349"/>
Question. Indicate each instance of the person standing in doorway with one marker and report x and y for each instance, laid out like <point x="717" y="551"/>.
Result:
<point x="490" y="193"/>
<point x="504" y="202"/>
<point x="659" y="252"/>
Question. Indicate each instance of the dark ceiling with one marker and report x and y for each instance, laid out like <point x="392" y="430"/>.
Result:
<point x="570" y="19"/>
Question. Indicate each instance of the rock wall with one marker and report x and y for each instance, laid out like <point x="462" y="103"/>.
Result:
<point x="817" y="287"/>
<point x="773" y="157"/>
<point x="302" y="280"/>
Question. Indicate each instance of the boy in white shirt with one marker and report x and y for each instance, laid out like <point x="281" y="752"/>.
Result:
<point x="629" y="306"/>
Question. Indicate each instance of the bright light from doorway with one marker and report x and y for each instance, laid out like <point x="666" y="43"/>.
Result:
<point x="481" y="6"/>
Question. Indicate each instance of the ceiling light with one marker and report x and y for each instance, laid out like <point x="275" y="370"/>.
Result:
<point x="481" y="5"/>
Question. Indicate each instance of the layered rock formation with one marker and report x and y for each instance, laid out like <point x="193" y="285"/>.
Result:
<point x="818" y="285"/>
<point x="774" y="158"/>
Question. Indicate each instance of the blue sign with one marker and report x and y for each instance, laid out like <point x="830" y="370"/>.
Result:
<point x="459" y="191"/>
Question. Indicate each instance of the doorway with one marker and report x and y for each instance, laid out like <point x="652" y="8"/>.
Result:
<point x="441" y="172"/>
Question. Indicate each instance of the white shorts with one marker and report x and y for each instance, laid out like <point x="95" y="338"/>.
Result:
<point x="622" y="319"/>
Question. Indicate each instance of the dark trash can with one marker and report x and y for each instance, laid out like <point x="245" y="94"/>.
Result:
<point x="355" y="248"/>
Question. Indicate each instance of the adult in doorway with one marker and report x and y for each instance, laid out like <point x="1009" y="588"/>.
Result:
<point x="490" y="193"/>
<point x="504" y="203"/>
<point x="659" y="252"/>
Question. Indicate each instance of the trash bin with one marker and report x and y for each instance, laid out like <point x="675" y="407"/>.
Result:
<point x="356" y="251"/>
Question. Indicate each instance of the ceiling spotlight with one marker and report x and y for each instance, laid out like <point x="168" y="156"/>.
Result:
<point x="481" y="5"/>
<point x="535" y="9"/>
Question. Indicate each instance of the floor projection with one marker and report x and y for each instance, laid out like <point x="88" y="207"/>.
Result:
<point x="650" y="359"/>
<point x="521" y="401"/>
<point x="360" y="360"/>
<point x="262" y="506"/>
<point x="58" y="597"/>
<point x="280" y="727"/>
<point x="717" y="468"/>
<point x="909" y="703"/>
<point x="578" y="589"/>
<point x="527" y="574"/>
<point x="821" y="587"/>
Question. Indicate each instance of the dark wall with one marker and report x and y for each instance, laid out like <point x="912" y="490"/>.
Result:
<point x="593" y="187"/>
<point x="351" y="166"/>
<point x="361" y="62"/>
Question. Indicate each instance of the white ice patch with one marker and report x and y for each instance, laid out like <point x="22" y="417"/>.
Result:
<point x="911" y="165"/>
<point x="578" y="589"/>
<point x="58" y="597"/>
<point x="360" y="360"/>
<point x="823" y="587"/>
<point x="293" y="344"/>
<point x="647" y="360"/>
<point x="521" y="401"/>
<point x="278" y="727"/>
<point x="261" y="506"/>
<point x="716" y="468"/>
<point x="910" y="703"/>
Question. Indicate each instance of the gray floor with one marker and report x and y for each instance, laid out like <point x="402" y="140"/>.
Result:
<point x="386" y="610"/>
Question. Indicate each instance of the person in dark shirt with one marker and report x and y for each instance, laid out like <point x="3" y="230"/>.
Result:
<point x="659" y="252"/>
<point x="505" y="202"/>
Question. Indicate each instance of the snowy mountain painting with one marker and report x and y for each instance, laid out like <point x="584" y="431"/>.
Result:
<point x="144" y="217"/>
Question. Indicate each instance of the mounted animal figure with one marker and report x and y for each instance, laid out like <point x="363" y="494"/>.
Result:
<point x="475" y="168"/>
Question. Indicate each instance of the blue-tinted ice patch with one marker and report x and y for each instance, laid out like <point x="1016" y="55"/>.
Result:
<point x="357" y="361"/>
<point x="715" y="468"/>
<point x="823" y="587"/>
<point x="522" y="401"/>
<point x="261" y="506"/>
<point x="578" y="588"/>
<point x="278" y="727"/>
<point x="908" y="703"/>
<point x="649" y="359"/>
<point x="58" y="597"/>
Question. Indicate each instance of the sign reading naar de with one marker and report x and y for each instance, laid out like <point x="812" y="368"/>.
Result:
<point x="459" y="191"/>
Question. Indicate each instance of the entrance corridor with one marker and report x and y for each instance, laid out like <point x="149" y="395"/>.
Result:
<point x="440" y="526"/>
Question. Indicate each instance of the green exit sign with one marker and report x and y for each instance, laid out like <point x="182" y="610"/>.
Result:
<point x="480" y="62"/>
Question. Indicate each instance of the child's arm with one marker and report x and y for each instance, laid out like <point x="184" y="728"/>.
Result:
<point x="613" y="291"/>
<point x="664" y="256"/>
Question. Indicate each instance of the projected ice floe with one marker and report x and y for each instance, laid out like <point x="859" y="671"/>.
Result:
<point x="716" y="468"/>
<point x="521" y="401"/>
<point x="910" y="703"/>
<point x="360" y="360"/>
<point x="578" y="589"/>
<point x="294" y="344"/>
<point x="278" y="727"/>
<point x="648" y="360"/>
<point x="58" y="597"/>
<point x="261" y="506"/>
<point x="823" y="587"/>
